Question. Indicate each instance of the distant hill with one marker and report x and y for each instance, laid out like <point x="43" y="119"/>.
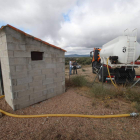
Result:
<point x="76" y="55"/>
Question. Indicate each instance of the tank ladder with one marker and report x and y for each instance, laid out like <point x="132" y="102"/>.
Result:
<point x="131" y="47"/>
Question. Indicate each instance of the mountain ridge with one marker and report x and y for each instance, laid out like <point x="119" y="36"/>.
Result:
<point x="76" y="55"/>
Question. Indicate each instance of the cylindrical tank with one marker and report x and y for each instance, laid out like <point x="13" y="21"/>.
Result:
<point x="125" y="47"/>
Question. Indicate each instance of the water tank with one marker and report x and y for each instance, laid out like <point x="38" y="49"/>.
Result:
<point x="126" y="48"/>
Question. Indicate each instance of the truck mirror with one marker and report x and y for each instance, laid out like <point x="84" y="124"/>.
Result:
<point x="91" y="54"/>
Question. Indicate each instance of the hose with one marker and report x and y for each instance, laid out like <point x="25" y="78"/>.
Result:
<point x="2" y="96"/>
<point x="68" y="115"/>
<point x="109" y="74"/>
<point x="64" y="115"/>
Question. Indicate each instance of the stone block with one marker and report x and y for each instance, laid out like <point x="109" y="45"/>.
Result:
<point x="36" y="95"/>
<point x="58" y="65"/>
<point x="39" y="78"/>
<point x="35" y="83"/>
<point x="63" y="78"/>
<point x="48" y="60"/>
<point x="47" y="54"/>
<point x="11" y="46"/>
<point x="32" y="41"/>
<point x="38" y="65"/>
<point x="54" y="60"/>
<point x="21" y="68"/>
<point x="58" y="70"/>
<point x="60" y="74"/>
<point x="39" y="99"/>
<point x="50" y="95"/>
<point x="17" y="61"/>
<point x="29" y="91"/>
<point x="3" y="38"/>
<point x="6" y="68"/>
<point x="58" y="79"/>
<point x="21" y="99"/>
<point x="47" y="81"/>
<point x="6" y="53"/>
<point x="47" y="71"/>
<point x="24" y="104"/>
<point x="17" y="76"/>
<point x="50" y="66"/>
<point x="52" y="85"/>
<point x="22" y="54"/>
<point x="24" y="80"/>
<point x="59" y="84"/>
<point x="34" y="72"/>
<point x="3" y="46"/>
<point x="5" y="60"/>
<point x="20" y="88"/>
<point x="39" y="88"/>
<point x="51" y="75"/>
<point x="59" y="60"/>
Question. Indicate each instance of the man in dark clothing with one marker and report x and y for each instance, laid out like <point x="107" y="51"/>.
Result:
<point x="74" y="67"/>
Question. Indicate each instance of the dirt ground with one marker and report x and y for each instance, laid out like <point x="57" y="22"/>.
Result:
<point x="73" y="101"/>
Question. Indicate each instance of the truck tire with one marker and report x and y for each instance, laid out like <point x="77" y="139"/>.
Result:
<point x="93" y="65"/>
<point x="131" y="75"/>
<point x="100" y="77"/>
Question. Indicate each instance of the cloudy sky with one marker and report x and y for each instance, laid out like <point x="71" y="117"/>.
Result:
<point x="74" y="25"/>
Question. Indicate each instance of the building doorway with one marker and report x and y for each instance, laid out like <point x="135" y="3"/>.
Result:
<point x="1" y="82"/>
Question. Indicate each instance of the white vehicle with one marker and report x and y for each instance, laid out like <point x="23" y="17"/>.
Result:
<point x="122" y="52"/>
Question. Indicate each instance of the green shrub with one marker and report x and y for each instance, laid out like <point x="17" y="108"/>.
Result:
<point x="132" y="95"/>
<point x="136" y="105"/>
<point x="79" y="81"/>
<point x="80" y="60"/>
<point x="99" y="92"/>
<point x="83" y="70"/>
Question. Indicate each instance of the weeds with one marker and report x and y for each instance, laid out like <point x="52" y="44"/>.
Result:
<point x="99" y="92"/>
<point x="132" y="95"/>
<point x="83" y="70"/>
<point x="129" y="94"/>
<point x="136" y="105"/>
<point x="93" y="103"/>
<point x="79" y="81"/>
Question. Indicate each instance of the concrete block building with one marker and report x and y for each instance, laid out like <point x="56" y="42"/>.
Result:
<point x="32" y="70"/>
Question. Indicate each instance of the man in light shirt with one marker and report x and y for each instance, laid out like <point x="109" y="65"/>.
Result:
<point x="70" y="65"/>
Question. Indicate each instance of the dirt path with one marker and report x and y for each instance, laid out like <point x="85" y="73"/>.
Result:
<point x="71" y="102"/>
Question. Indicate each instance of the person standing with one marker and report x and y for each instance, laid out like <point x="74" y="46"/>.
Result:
<point x="74" y="67"/>
<point x="70" y="66"/>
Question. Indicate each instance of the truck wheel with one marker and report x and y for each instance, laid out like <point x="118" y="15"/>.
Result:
<point x="93" y="65"/>
<point x="100" y="76"/>
<point x="131" y="75"/>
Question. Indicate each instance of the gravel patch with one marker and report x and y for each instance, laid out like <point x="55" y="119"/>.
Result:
<point x="65" y="127"/>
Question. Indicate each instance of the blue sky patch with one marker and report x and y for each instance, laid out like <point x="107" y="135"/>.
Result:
<point x="66" y="16"/>
<point x="2" y="23"/>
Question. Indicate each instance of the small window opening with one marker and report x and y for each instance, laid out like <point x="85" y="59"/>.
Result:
<point x="36" y="55"/>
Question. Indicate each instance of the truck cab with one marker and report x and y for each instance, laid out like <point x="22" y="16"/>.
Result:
<point x="95" y="59"/>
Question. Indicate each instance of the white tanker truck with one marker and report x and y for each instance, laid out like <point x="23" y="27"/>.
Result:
<point x="123" y="53"/>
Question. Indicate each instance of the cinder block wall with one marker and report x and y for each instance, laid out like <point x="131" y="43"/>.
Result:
<point x="4" y="58"/>
<point x="31" y="81"/>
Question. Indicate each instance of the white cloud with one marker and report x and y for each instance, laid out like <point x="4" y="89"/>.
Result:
<point x="87" y="24"/>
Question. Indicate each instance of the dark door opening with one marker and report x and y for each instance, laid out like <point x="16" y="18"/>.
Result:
<point x="1" y="82"/>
